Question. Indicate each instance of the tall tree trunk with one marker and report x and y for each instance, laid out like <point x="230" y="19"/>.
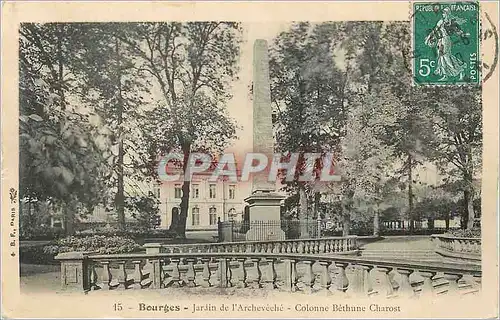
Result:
<point x="469" y="214"/>
<point x="69" y="217"/>
<point x="410" y="193"/>
<point x="376" y="221"/>
<point x="180" y="228"/>
<point x="303" y="212"/>
<point x="316" y="213"/>
<point x="346" y="221"/>
<point x="120" y="193"/>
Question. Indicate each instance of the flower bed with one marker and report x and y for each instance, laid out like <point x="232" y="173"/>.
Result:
<point x="97" y="243"/>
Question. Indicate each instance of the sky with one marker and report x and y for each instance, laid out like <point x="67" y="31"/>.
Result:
<point x="240" y="106"/>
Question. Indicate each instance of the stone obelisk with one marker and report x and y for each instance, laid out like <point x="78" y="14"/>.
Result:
<point x="264" y="203"/>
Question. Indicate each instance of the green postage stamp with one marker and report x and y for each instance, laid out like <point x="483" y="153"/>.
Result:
<point x="446" y="43"/>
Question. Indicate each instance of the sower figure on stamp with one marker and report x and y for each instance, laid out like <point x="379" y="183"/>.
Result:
<point x="447" y="64"/>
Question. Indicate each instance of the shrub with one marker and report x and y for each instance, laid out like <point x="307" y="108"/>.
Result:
<point x="35" y="254"/>
<point x="472" y="233"/>
<point x="96" y="244"/>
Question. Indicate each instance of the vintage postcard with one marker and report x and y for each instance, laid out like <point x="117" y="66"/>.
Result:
<point x="250" y="159"/>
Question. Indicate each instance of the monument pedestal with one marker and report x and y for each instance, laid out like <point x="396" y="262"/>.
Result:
<point x="265" y="217"/>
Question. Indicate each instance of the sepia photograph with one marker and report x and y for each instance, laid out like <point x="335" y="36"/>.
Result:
<point x="325" y="167"/>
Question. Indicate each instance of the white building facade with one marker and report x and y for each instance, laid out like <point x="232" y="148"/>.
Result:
<point x="208" y="201"/>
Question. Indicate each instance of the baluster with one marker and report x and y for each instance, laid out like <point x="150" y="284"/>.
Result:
<point x="137" y="274"/>
<point x="356" y="286"/>
<point x="308" y="278"/>
<point x="106" y="275"/>
<point x="427" y="288"/>
<point x="176" y="276"/>
<point x="229" y="273"/>
<point x="276" y="246"/>
<point x="256" y="283"/>
<point x="326" y="280"/>
<point x="342" y="283"/>
<point x="453" y="279"/>
<point x="291" y="275"/>
<point x="295" y="247"/>
<point x="405" y="288"/>
<point x="191" y="273"/>
<point x="206" y="273"/>
<point x="316" y="246"/>
<point x="327" y="246"/>
<point x="271" y="274"/>
<point x="156" y="273"/>
<point x="223" y="272"/>
<point x="367" y="280"/>
<point x="386" y="280"/>
<point x="476" y="281"/>
<point x="93" y="277"/>
<point x="300" y="247"/>
<point x="122" y="275"/>
<point x="322" y="246"/>
<point x="288" y="247"/>
<point x="242" y="280"/>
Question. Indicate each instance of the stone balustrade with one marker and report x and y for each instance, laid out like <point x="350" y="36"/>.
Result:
<point x="308" y="273"/>
<point x="458" y="249"/>
<point x="338" y="245"/>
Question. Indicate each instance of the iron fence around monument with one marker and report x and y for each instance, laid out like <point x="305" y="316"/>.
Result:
<point x="232" y="231"/>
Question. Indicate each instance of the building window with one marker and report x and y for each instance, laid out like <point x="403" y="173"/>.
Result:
<point x="195" y="216"/>
<point x="196" y="191"/>
<point x="211" y="191"/>
<point x="232" y="191"/>
<point x="178" y="191"/>
<point x="213" y="215"/>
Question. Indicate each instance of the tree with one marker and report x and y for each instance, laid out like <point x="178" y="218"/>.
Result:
<point x="192" y="65"/>
<point x="60" y="159"/>
<point x="116" y="88"/>
<point x="457" y="124"/>
<point x="307" y="90"/>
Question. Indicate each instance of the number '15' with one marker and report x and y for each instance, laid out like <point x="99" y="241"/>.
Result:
<point x="425" y="67"/>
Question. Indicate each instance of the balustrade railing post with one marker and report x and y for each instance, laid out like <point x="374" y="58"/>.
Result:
<point x="270" y="280"/>
<point x="386" y="280"/>
<point x="156" y="273"/>
<point x="191" y="273"/>
<point x="137" y="274"/>
<point x="308" y="279"/>
<point x="222" y="272"/>
<point x="242" y="281"/>
<point x="206" y="273"/>
<point x="326" y="279"/>
<point x="106" y="275"/>
<point x="405" y="289"/>
<point x="322" y="246"/>
<point x="93" y="277"/>
<point x="256" y="283"/>
<point x="427" y="287"/>
<point x="290" y="275"/>
<point x="122" y="275"/>
<point x="342" y="283"/>
<point x="176" y="275"/>
<point x="75" y="272"/>
<point x="357" y="285"/>
<point x="452" y="279"/>
<point x="367" y="281"/>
